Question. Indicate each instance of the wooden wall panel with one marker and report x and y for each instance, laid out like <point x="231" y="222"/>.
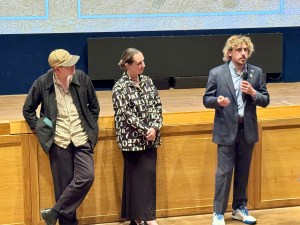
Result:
<point x="44" y="181"/>
<point x="102" y="203"/>
<point x="185" y="171"/>
<point x="186" y="167"/>
<point x="279" y="164"/>
<point x="4" y="127"/>
<point x="185" y="177"/>
<point x="13" y="198"/>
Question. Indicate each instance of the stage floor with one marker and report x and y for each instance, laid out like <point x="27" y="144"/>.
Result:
<point x="278" y="216"/>
<point x="173" y="100"/>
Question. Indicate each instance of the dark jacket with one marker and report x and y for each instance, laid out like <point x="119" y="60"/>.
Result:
<point x="226" y="118"/>
<point x="43" y="92"/>
<point x="136" y="110"/>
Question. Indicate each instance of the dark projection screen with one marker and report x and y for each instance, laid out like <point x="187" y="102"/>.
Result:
<point x="180" y="56"/>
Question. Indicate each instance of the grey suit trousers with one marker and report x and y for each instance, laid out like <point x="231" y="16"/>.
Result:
<point x="235" y="157"/>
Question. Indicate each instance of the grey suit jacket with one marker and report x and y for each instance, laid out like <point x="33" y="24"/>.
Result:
<point x="226" y="118"/>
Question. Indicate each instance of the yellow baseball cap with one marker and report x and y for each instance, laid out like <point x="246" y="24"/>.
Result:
<point x="61" y="57"/>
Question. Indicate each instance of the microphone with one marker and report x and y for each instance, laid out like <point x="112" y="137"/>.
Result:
<point x="244" y="76"/>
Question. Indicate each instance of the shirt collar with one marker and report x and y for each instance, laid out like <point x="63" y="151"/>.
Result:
<point x="233" y="69"/>
<point x="57" y="81"/>
<point x="127" y="78"/>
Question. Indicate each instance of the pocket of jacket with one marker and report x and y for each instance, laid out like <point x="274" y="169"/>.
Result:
<point x="43" y="129"/>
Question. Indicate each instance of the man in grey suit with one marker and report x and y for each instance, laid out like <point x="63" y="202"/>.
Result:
<point x="234" y="89"/>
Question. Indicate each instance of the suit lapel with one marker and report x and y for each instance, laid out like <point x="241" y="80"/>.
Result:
<point x="251" y="74"/>
<point x="51" y="93"/>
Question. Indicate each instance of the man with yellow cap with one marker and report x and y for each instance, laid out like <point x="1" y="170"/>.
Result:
<point x="67" y="130"/>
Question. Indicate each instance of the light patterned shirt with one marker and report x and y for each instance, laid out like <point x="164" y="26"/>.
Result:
<point x="137" y="109"/>
<point x="68" y="125"/>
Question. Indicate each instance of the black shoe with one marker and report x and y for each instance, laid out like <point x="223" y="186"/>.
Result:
<point x="48" y="217"/>
<point x="132" y="222"/>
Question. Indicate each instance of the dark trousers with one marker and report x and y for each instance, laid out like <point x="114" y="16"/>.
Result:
<point x="238" y="157"/>
<point x="73" y="175"/>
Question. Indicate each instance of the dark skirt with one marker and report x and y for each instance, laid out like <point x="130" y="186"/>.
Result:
<point x="139" y="185"/>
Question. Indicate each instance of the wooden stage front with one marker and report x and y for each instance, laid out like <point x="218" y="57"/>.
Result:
<point x="186" y="160"/>
<point x="174" y="100"/>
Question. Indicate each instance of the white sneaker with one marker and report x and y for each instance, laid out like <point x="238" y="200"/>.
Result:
<point x="218" y="219"/>
<point x="242" y="214"/>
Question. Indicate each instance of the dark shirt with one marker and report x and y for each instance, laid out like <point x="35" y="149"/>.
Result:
<point x="43" y="92"/>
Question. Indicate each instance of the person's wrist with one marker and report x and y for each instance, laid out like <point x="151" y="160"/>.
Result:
<point x="253" y="95"/>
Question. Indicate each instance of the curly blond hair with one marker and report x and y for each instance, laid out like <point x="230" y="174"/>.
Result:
<point x="233" y="42"/>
